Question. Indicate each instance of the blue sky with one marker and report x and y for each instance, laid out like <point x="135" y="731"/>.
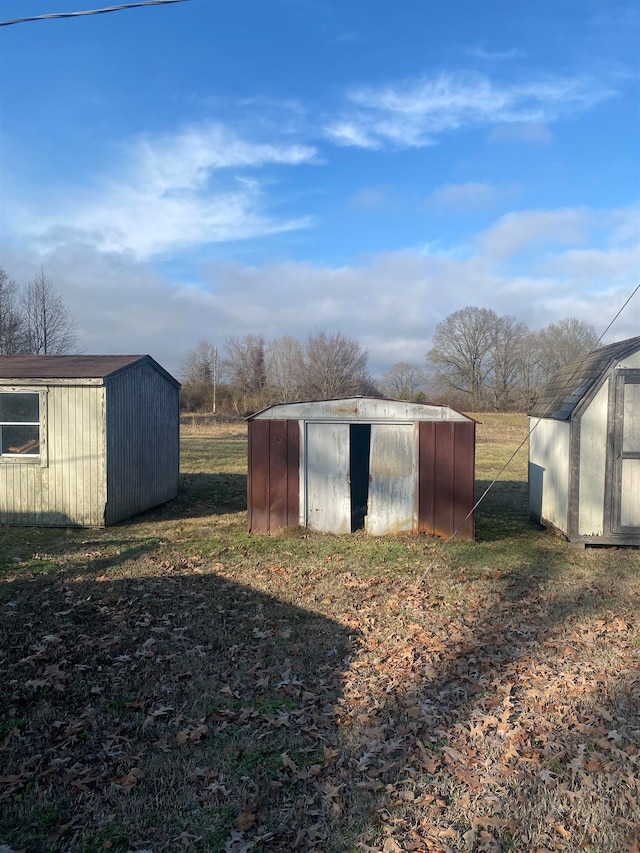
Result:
<point x="223" y="167"/>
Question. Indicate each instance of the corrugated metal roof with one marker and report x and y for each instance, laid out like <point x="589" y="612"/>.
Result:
<point x="571" y="384"/>
<point x="69" y="366"/>
<point x="360" y="409"/>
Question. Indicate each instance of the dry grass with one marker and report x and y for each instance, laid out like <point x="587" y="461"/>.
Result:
<point x="173" y="683"/>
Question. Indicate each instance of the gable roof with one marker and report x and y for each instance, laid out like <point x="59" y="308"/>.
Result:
<point x="573" y="382"/>
<point x="347" y="409"/>
<point x="70" y="366"/>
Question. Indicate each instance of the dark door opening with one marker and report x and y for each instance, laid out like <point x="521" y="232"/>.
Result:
<point x="359" y="448"/>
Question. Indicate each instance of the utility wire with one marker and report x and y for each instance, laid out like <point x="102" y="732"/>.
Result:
<point x="89" y="11"/>
<point x="443" y="546"/>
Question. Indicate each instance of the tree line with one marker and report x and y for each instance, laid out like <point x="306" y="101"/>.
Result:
<point x="478" y="360"/>
<point x="33" y="318"/>
<point x="251" y="372"/>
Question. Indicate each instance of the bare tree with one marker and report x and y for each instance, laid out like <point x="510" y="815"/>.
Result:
<point x="285" y="369"/>
<point x="12" y="339"/>
<point x="244" y="368"/>
<point x="461" y="352"/>
<point x="562" y="342"/>
<point x="49" y="327"/>
<point x="507" y="338"/>
<point x="403" y="381"/>
<point x="336" y="366"/>
<point x="200" y="378"/>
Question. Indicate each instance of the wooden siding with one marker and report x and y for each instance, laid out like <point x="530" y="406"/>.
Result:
<point x="593" y="465"/>
<point x="631" y="361"/>
<point x="273" y="476"/>
<point x="142" y="441"/>
<point x="446" y="486"/>
<point x="549" y="471"/>
<point x="67" y="486"/>
<point x="628" y="450"/>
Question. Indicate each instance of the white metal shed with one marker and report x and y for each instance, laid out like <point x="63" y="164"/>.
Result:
<point x="86" y="441"/>
<point x="584" y="449"/>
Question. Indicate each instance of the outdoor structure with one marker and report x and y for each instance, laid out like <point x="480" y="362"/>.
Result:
<point x="86" y="440"/>
<point x="384" y="466"/>
<point x="584" y="450"/>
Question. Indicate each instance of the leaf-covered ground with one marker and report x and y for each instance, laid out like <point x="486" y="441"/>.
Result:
<point x="174" y="684"/>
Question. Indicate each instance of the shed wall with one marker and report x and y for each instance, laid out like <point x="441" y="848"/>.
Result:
<point x="549" y="471"/>
<point x="273" y="475"/>
<point x="593" y="465"/>
<point x="446" y="485"/>
<point x="67" y="485"/>
<point x="142" y="441"/>
<point x="631" y="361"/>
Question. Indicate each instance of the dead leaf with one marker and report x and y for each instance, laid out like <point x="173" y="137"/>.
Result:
<point x="130" y="780"/>
<point x="245" y="820"/>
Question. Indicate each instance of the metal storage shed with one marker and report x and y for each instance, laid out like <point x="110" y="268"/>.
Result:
<point x="86" y="440"/>
<point x="584" y="450"/>
<point x="385" y="466"/>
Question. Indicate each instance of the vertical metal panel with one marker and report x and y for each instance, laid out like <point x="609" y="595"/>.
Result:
<point x="464" y="478"/>
<point x="393" y="479"/>
<point x="278" y="474"/>
<point x="447" y="478"/>
<point x="328" y="494"/>
<point x="444" y="480"/>
<point x="258" y="477"/>
<point x="426" y="477"/>
<point x="293" y="473"/>
<point x="273" y="475"/>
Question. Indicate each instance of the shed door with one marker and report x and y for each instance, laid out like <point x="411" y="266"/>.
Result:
<point x="627" y="475"/>
<point x="328" y="491"/>
<point x="393" y="479"/>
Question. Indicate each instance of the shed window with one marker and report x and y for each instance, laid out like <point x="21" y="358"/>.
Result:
<point x="19" y="424"/>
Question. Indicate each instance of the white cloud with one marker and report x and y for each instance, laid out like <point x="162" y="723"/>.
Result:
<point x="390" y="302"/>
<point x="538" y="229"/>
<point x="417" y="112"/>
<point x="518" y="131"/>
<point x="496" y="55"/>
<point x="171" y="192"/>
<point x="469" y="196"/>
<point x="371" y="198"/>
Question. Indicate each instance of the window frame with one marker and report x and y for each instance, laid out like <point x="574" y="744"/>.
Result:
<point x="41" y="457"/>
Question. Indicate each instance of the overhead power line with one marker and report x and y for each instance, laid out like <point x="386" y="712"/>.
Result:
<point x="89" y="11"/>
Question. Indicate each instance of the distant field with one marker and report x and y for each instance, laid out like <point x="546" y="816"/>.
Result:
<point x="175" y="684"/>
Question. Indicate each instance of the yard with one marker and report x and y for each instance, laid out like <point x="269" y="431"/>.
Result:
<point x="174" y="684"/>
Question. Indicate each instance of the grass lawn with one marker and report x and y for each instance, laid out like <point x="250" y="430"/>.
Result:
<point x="174" y="684"/>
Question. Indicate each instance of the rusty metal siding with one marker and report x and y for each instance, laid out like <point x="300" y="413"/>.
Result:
<point x="393" y="480"/>
<point x="328" y="490"/>
<point x="419" y="474"/>
<point x="273" y="475"/>
<point x="446" y="478"/>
